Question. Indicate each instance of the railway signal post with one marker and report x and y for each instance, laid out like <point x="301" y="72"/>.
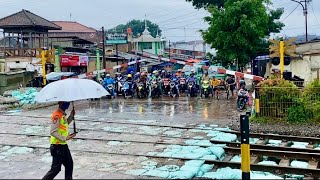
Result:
<point x="245" y="147"/>
<point x="280" y="48"/>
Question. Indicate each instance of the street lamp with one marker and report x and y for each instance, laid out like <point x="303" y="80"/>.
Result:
<point x="305" y="12"/>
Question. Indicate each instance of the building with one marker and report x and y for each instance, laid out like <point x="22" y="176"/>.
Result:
<point x="73" y="34"/>
<point x="149" y="44"/>
<point x="24" y="35"/>
<point x="192" y="49"/>
<point x="306" y="66"/>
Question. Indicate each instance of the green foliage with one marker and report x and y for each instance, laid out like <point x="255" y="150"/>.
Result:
<point x="206" y="3"/>
<point x="239" y="28"/>
<point x="138" y="27"/>
<point x="311" y="99"/>
<point x="277" y="96"/>
<point x="299" y="114"/>
<point x="282" y="99"/>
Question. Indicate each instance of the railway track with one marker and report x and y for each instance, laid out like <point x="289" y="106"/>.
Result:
<point x="283" y="167"/>
<point x="262" y="142"/>
<point x="283" y="153"/>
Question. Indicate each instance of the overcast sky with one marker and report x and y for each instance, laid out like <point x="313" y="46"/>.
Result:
<point x="177" y="18"/>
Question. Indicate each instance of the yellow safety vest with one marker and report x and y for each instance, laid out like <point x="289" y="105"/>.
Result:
<point x="62" y="129"/>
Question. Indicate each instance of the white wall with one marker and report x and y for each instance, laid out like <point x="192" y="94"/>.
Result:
<point x="301" y="68"/>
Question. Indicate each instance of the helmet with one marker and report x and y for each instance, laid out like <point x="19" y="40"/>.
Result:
<point x="155" y="72"/>
<point x="129" y="75"/>
<point x="163" y="71"/>
<point x="179" y="70"/>
<point x="138" y="73"/>
<point x="108" y="75"/>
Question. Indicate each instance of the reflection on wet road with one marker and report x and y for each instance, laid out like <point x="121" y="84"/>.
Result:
<point x="182" y="110"/>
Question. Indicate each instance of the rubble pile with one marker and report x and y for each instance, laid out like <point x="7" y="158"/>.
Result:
<point x="20" y="98"/>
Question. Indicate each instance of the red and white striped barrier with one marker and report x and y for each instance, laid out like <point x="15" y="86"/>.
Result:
<point x="220" y="70"/>
<point x="240" y="75"/>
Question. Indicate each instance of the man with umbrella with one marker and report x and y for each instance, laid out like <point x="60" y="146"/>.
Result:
<point x="73" y="90"/>
<point x="59" y="136"/>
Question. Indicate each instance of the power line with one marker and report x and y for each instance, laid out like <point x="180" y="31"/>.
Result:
<point x="314" y="14"/>
<point x="290" y="13"/>
<point x="177" y="22"/>
<point x="179" y="16"/>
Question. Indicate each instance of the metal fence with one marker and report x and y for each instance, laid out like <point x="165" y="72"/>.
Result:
<point x="276" y="102"/>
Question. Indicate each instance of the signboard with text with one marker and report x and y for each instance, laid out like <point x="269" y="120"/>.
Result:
<point x="117" y="38"/>
<point x="70" y="60"/>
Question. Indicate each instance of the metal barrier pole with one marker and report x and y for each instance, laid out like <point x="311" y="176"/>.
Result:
<point x="245" y="147"/>
<point x="257" y="103"/>
<point x="98" y="65"/>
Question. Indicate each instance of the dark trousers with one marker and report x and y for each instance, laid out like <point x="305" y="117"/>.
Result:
<point x="60" y="156"/>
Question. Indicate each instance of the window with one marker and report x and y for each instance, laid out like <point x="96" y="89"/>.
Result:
<point x="147" y="45"/>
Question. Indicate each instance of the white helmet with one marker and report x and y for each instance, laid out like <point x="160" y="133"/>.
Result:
<point x="108" y="75"/>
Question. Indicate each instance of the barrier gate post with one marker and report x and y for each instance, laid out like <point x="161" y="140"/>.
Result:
<point x="245" y="146"/>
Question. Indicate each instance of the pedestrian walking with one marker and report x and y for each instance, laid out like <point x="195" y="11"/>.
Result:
<point x="59" y="136"/>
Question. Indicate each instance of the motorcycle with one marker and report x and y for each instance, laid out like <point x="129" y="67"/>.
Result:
<point x="173" y="88"/>
<point x="242" y="99"/>
<point x="183" y="85"/>
<point x="205" y="89"/>
<point x="192" y="89"/>
<point x="120" y="87"/>
<point x="110" y="90"/>
<point x="166" y="86"/>
<point x="155" y="89"/>
<point x="127" y="90"/>
<point x="141" y="91"/>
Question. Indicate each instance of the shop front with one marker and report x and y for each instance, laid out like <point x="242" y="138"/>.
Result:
<point x="74" y="63"/>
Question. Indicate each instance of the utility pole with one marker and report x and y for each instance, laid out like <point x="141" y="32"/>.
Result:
<point x="103" y="49"/>
<point x="117" y="56"/>
<point x="169" y="49"/>
<point x="305" y="12"/>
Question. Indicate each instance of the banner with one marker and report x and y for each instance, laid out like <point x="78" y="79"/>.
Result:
<point x="84" y="60"/>
<point x="69" y="60"/>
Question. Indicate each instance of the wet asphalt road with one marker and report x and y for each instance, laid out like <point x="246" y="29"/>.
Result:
<point x="179" y="110"/>
<point x="122" y="140"/>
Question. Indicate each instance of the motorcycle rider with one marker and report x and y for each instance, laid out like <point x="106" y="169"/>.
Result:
<point x="230" y="82"/>
<point x="179" y="73"/>
<point x="215" y="87"/>
<point x="243" y="91"/>
<point x="163" y="74"/>
<point x="155" y="76"/>
<point x="143" y="79"/>
<point x="193" y="79"/>
<point x="183" y="74"/>
<point x="242" y="83"/>
<point x="129" y="80"/>
<point x="175" y="79"/>
<point x="109" y="80"/>
<point x="206" y="77"/>
<point x="117" y="79"/>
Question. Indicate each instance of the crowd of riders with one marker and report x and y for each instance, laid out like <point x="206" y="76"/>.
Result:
<point x="159" y="83"/>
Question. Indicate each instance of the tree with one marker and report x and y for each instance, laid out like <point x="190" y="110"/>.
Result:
<point x="138" y="27"/>
<point x="206" y="3"/>
<point x="239" y="28"/>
